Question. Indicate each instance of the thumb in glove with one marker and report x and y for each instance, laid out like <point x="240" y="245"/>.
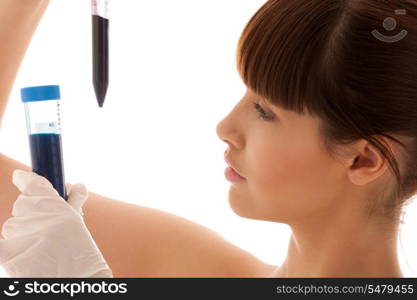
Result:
<point x="30" y="183"/>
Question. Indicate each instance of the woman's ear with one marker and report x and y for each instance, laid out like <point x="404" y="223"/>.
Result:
<point x="366" y="163"/>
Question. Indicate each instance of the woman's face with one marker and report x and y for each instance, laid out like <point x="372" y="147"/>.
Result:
<point x="289" y="175"/>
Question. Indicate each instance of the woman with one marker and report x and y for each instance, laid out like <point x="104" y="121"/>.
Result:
<point x="325" y="140"/>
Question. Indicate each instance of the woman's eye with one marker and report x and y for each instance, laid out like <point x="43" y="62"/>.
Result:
<point x="262" y="114"/>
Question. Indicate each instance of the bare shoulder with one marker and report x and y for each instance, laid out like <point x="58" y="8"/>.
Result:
<point x="155" y="243"/>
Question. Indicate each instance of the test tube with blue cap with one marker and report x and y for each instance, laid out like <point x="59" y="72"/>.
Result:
<point x="44" y="129"/>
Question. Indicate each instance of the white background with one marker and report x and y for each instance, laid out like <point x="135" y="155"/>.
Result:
<point x="172" y="79"/>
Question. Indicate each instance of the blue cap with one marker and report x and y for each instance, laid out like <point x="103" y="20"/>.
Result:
<point x="40" y="93"/>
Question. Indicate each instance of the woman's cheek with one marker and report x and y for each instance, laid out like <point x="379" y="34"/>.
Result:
<point x="285" y="177"/>
<point x="272" y="175"/>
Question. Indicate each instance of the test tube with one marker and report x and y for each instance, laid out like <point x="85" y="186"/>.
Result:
<point x="100" y="21"/>
<point x="44" y="131"/>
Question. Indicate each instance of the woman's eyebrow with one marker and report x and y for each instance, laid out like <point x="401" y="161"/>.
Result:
<point x="279" y="111"/>
<point x="264" y="101"/>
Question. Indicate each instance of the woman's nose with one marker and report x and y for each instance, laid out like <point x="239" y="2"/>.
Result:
<point x="227" y="130"/>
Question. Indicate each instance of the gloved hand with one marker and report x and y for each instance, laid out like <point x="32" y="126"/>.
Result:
<point x="47" y="236"/>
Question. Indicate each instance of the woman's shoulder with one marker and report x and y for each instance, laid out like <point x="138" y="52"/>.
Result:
<point x="268" y="271"/>
<point x="163" y="244"/>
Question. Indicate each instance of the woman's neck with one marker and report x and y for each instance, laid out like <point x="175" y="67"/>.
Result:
<point x="337" y="247"/>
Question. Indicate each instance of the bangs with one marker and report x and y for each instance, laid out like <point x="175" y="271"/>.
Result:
<point x="282" y="52"/>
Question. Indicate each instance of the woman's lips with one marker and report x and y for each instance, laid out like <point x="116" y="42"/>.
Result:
<point x="232" y="175"/>
<point x="231" y="172"/>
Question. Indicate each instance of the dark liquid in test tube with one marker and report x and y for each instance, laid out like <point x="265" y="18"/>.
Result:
<point x="100" y="50"/>
<point x="46" y="158"/>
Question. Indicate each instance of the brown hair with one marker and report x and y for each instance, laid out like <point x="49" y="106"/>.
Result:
<point x="323" y="56"/>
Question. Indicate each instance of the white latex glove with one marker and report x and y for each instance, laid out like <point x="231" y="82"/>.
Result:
<point x="47" y="236"/>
